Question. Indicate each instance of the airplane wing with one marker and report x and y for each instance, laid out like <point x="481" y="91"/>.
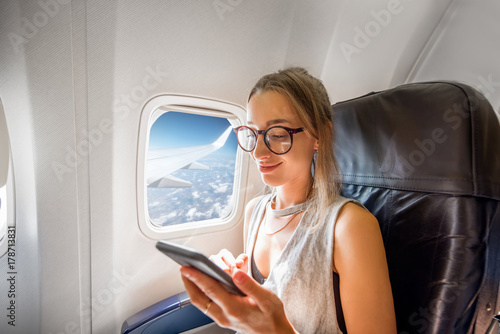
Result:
<point x="163" y="162"/>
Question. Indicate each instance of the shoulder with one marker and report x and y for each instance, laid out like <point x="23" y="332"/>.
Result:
<point x="357" y="236"/>
<point x="251" y="206"/>
<point x="248" y="214"/>
<point x="353" y="218"/>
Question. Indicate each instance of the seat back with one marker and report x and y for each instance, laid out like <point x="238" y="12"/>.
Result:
<point x="424" y="158"/>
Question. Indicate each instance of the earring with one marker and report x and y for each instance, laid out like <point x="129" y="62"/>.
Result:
<point x="313" y="164"/>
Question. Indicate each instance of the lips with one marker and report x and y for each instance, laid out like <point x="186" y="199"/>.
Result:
<point x="268" y="168"/>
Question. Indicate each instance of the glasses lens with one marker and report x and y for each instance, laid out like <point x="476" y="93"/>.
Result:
<point x="246" y="138"/>
<point x="279" y="140"/>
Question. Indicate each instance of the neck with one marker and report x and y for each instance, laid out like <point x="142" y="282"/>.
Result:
<point x="292" y="193"/>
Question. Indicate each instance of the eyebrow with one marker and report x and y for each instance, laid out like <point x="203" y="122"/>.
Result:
<point x="274" y="121"/>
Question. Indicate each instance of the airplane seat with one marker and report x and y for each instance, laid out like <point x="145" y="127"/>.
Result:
<point x="172" y="315"/>
<point x="424" y="158"/>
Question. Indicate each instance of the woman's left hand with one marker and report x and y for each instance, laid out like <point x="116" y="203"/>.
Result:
<point x="260" y="311"/>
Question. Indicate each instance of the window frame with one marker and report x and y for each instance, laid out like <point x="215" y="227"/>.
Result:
<point x="151" y="111"/>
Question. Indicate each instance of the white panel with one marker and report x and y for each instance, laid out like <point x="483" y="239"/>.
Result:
<point x="15" y="95"/>
<point x="465" y="48"/>
<point x="7" y="196"/>
<point x="49" y="66"/>
<point x="199" y="48"/>
<point x="4" y="148"/>
<point x="376" y="43"/>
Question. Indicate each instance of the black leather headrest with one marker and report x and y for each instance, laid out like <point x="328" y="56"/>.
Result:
<point x="441" y="137"/>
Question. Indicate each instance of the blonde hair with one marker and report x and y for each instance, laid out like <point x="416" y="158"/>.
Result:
<point x="309" y="99"/>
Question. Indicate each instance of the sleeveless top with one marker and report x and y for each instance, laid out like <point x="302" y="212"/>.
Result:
<point x="302" y="277"/>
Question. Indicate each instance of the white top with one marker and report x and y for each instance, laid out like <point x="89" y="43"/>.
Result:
<point x="302" y="276"/>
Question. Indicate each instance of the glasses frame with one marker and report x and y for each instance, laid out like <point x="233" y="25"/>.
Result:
<point x="290" y="131"/>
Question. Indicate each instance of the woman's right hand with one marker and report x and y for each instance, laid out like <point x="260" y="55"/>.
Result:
<point x="228" y="263"/>
<point x="259" y="312"/>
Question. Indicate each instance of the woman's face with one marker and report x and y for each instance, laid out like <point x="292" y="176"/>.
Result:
<point x="294" y="167"/>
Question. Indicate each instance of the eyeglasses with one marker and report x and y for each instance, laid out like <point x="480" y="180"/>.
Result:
<point x="278" y="138"/>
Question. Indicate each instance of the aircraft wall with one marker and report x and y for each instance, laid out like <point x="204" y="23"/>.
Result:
<point x="75" y="75"/>
<point x="464" y="48"/>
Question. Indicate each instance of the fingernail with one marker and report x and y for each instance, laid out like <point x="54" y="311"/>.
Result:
<point x="239" y="276"/>
<point x="184" y="273"/>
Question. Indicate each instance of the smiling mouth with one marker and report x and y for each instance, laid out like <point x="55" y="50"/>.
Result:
<point x="268" y="168"/>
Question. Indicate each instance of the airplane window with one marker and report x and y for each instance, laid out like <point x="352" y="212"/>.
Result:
<point x="190" y="168"/>
<point x="191" y="178"/>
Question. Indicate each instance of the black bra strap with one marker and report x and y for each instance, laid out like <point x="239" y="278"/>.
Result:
<point x="256" y="273"/>
<point x="338" y="304"/>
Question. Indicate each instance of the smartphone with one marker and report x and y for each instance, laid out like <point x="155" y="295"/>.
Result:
<point x="186" y="256"/>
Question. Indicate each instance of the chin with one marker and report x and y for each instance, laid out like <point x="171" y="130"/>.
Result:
<point x="271" y="181"/>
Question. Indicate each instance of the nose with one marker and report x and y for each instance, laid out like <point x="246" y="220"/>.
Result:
<point x="261" y="151"/>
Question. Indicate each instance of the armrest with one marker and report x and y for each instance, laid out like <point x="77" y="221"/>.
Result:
<point x="175" y="314"/>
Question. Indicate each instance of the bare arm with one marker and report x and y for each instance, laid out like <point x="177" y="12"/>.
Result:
<point x="359" y="258"/>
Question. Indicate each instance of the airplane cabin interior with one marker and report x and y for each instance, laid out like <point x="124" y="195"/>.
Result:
<point x="116" y="123"/>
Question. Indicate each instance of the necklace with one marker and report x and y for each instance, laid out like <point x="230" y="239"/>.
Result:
<point x="268" y="232"/>
<point x="292" y="210"/>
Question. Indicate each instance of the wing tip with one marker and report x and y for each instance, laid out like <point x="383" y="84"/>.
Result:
<point x="223" y="137"/>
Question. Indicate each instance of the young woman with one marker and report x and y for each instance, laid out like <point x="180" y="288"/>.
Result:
<point x="314" y="261"/>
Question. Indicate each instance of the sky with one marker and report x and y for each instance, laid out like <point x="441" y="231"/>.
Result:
<point x="212" y="190"/>
<point x="177" y="129"/>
